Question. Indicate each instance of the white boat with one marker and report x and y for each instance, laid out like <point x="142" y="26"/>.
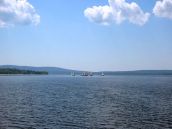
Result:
<point x="72" y="74"/>
<point x="102" y="74"/>
<point x="84" y="74"/>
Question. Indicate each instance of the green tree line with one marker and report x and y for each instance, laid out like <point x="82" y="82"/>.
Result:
<point x="17" y="71"/>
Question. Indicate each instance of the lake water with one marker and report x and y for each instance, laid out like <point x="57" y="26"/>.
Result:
<point x="61" y="102"/>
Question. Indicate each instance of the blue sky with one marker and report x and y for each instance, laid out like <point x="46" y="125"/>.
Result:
<point x="66" y="38"/>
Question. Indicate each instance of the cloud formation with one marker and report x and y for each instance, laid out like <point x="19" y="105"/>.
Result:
<point x="17" y="12"/>
<point x="116" y="12"/>
<point x="163" y="9"/>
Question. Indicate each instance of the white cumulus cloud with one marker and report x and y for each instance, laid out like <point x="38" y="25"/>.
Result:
<point x="99" y="14"/>
<point x="163" y="8"/>
<point x="117" y="11"/>
<point x="14" y="12"/>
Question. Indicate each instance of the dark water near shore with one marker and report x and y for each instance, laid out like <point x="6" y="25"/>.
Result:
<point x="57" y="102"/>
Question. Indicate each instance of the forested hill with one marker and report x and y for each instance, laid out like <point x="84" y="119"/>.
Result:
<point x="50" y="70"/>
<point x="140" y="72"/>
<point x="14" y="69"/>
<point x="17" y="71"/>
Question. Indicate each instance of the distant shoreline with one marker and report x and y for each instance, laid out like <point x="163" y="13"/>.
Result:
<point x="23" y="74"/>
<point x="14" y="71"/>
<point x="27" y="70"/>
<point x="96" y="75"/>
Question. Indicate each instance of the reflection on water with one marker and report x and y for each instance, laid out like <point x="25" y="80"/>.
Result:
<point x="119" y="102"/>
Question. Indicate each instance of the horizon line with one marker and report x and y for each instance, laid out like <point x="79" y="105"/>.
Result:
<point x="87" y="70"/>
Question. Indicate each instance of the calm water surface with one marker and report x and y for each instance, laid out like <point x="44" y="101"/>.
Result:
<point x="61" y="102"/>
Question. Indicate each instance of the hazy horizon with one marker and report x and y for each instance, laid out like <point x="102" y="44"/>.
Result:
<point x="85" y="69"/>
<point x="87" y="35"/>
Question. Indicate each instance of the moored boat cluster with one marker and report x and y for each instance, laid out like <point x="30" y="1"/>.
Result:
<point x="86" y="74"/>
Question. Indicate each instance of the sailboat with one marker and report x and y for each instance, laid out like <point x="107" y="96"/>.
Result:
<point x="72" y="74"/>
<point x="102" y="74"/>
